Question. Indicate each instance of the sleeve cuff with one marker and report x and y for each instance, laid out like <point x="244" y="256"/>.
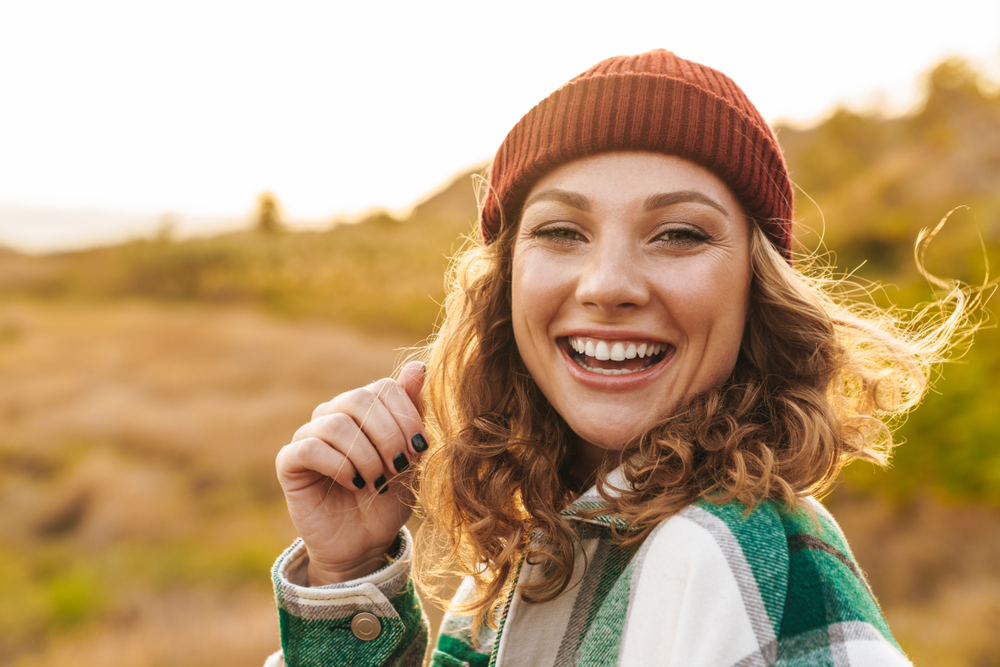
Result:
<point x="289" y="576"/>
<point x="316" y="623"/>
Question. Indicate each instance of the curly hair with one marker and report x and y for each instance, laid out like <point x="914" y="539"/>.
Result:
<point x="821" y="379"/>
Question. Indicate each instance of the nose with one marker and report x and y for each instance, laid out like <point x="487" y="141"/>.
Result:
<point x="612" y="279"/>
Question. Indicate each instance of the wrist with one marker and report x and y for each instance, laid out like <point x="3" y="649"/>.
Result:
<point x="321" y="573"/>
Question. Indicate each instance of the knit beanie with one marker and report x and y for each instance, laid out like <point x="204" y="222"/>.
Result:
<point x="657" y="102"/>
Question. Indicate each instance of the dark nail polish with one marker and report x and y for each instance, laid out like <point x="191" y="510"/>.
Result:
<point x="358" y="481"/>
<point x="379" y="481"/>
<point x="419" y="443"/>
<point x="384" y="489"/>
<point x="401" y="462"/>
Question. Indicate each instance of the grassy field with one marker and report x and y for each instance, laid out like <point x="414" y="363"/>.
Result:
<point x="138" y="504"/>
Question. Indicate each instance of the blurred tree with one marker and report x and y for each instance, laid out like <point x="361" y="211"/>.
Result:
<point x="166" y="228"/>
<point x="267" y="218"/>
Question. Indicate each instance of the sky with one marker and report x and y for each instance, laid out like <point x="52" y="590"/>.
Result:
<point x="117" y="113"/>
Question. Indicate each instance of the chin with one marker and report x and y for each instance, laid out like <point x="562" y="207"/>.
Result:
<point x="612" y="436"/>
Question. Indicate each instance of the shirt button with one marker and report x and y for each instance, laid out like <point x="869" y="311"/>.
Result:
<point x="366" y="627"/>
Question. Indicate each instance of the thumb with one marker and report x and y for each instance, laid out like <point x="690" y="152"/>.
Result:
<point x="411" y="379"/>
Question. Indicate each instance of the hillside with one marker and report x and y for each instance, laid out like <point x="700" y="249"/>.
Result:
<point x="876" y="182"/>
<point x="380" y="274"/>
<point x="868" y="183"/>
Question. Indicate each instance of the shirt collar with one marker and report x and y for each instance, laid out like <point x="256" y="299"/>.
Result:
<point x="615" y="484"/>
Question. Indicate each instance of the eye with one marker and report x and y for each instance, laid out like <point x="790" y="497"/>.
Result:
<point x="683" y="235"/>
<point x="558" y="234"/>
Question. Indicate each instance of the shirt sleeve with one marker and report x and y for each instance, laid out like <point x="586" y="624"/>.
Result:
<point x="374" y="620"/>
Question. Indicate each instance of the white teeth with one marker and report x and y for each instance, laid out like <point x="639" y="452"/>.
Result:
<point x="614" y="351"/>
<point x="611" y="371"/>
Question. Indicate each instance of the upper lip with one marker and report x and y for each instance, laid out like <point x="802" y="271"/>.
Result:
<point x="612" y="334"/>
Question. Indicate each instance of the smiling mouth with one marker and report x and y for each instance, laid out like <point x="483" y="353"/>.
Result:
<point x="615" y="357"/>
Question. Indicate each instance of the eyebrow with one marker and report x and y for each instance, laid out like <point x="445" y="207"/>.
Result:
<point x="574" y="199"/>
<point x="665" y="199"/>
<point x="653" y="202"/>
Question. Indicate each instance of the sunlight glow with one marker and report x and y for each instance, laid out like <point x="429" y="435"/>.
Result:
<point x="197" y="107"/>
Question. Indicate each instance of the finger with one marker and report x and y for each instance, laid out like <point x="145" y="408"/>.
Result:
<point x="411" y="379"/>
<point x="402" y="408"/>
<point x="341" y="432"/>
<point x="375" y="419"/>
<point x="315" y="455"/>
<point x="361" y="404"/>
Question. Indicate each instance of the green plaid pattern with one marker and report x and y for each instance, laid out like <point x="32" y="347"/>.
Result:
<point x="714" y="586"/>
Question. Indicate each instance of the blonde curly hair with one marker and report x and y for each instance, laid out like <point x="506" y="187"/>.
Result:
<point x="821" y="380"/>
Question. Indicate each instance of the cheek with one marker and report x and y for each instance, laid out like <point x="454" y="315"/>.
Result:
<point x="538" y="289"/>
<point x="527" y="304"/>
<point x="520" y="299"/>
<point x="716" y="306"/>
<point x="731" y="324"/>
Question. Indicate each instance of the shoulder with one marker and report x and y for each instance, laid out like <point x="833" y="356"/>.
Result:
<point x="780" y="585"/>
<point x="745" y="547"/>
<point x="709" y="571"/>
<point x="830" y="609"/>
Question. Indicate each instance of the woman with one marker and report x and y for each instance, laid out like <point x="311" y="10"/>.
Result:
<point x="630" y="400"/>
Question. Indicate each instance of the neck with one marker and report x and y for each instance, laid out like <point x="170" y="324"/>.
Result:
<point x="587" y="458"/>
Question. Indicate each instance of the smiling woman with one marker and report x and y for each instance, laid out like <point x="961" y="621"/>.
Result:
<point x="632" y="397"/>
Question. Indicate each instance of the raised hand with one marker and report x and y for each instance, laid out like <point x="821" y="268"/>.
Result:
<point x="339" y="475"/>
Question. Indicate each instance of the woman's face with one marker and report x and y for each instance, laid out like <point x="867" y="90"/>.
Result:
<point x="631" y="274"/>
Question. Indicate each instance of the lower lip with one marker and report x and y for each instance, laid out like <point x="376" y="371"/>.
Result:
<point x="626" y="381"/>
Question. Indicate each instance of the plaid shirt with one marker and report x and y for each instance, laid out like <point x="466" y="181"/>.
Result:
<point x="713" y="586"/>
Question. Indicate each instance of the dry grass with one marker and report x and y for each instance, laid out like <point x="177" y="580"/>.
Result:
<point x="138" y="505"/>
<point x="186" y="629"/>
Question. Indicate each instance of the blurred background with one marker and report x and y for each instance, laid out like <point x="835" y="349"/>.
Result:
<point x="215" y="215"/>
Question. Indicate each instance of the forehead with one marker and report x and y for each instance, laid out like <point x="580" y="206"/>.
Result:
<point x="628" y="177"/>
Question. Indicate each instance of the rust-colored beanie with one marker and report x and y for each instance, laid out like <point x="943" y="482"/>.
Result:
<point x="656" y="102"/>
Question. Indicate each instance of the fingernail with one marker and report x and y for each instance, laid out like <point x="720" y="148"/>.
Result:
<point x="425" y="367"/>
<point x="358" y="481"/>
<point x="419" y="443"/>
<point x="380" y="481"/>
<point x="384" y="489"/>
<point x="401" y="462"/>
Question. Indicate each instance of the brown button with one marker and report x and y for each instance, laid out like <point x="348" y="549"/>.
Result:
<point x="366" y="627"/>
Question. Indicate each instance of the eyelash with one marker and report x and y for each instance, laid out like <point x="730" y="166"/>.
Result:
<point x="689" y="235"/>
<point x="562" y="234"/>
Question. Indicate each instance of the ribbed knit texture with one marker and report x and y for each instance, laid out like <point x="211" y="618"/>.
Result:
<point x="655" y="102"/>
